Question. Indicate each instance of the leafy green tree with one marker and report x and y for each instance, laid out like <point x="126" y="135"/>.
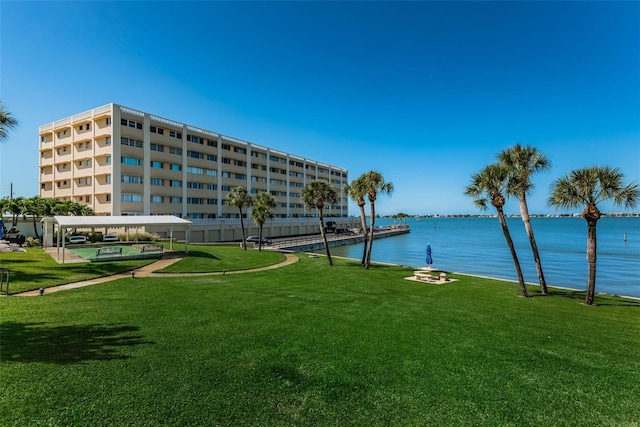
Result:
<point x="34" y="207"/>
<point x="489" y="186"/>
<point x="373" y="183"/>
<point x="262" y="210"/>
<point x="15" y="207"/>
<point x="239" y="197"/>
<point x="356" y="191"/>
<point x="590" y="186"/>
<point x="7" y="122"/>
<point x="315" y="195"/>
<point x="522" y="162"/>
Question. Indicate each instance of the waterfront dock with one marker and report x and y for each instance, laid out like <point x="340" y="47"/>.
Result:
<point x="315" y="242"/>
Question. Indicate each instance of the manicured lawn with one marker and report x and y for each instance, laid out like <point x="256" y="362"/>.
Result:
<point x="308" y="344"/>
<point x="215" y="258"/>
<point x="35" y="269"/>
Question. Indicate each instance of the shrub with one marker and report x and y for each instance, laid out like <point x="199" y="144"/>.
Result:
<point x="31" y="242"/>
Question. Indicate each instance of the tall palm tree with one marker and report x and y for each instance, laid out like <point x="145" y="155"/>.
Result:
<point x="7" y="122"/>
<point x="522" y="162"/>
<point x="239" y="197"/>
<point x="315" y="195"/>
<point x="373" y="183"/>
<point x="489" y="186"/>
<point x="262" y="210"/>
<point x="590" y="186"/>
<point x="356" y="191"/>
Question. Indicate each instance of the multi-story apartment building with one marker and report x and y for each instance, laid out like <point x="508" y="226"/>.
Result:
<point x="120" y="161"/>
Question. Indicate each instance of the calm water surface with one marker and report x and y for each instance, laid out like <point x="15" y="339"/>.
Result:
<point x="477" y="246"/>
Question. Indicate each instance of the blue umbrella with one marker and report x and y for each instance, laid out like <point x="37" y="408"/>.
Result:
<point x="429" y="258"/>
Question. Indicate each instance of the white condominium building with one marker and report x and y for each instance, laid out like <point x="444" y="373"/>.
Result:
<point x="120" y="161"/>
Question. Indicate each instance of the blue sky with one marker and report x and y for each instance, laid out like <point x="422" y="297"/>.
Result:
<point x="425" y="92"/>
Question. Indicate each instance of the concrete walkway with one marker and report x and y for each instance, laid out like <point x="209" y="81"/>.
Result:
<point x="150" y="271"/>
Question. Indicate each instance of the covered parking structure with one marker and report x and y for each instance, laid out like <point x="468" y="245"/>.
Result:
<point x="57" y="226"/>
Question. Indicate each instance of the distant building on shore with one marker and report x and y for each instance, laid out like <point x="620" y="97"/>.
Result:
<point x="120" y="161"/>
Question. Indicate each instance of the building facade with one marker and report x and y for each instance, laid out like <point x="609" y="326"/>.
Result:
<point x="120" y="161"/>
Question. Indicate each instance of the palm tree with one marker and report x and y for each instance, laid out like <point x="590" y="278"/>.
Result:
<point x="239" y="197"/>
<point x="35" y="207"/>
<point x="315" y="195"/>
<point x="522" y="162"/>
<point x="356" y="191"/>
<point x="373" y="183"/>
<point x="489" y="185"/>
<point x="7" y="122"/>
<point x="590" y="186"/>
<point x="15" y="207"/>
<point x="262" y="210"/>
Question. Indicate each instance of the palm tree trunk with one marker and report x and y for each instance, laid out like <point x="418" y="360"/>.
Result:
<point x="507" y="236"/>
<point x="363" y="221"/>
<point x="35" y="227"/>
<point x="373" y="222"/>
<point x="524" y="211"/>
<point x="260" y="238"/>
<point x="591" y="259"/>
<point x="324" y="237"/>
<point x="244" y="241"/>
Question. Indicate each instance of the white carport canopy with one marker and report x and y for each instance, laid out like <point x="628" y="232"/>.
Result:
<point x="64" y="222"/>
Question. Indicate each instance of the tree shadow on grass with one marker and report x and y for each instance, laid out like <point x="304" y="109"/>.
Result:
<point x="600" y="300"/>
<point x="198" y="254"/>
<point x="37" y="342"/>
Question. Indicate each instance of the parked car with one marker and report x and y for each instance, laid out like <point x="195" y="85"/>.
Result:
<point x="77" y="239"/>
<point x="110" y="238"/>
<point x="256" y="239"/>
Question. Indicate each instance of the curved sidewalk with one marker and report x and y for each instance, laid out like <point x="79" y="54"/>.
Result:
<point x="150" y="271"/>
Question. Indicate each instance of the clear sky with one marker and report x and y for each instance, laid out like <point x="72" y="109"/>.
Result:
<point x="426" y="93"/>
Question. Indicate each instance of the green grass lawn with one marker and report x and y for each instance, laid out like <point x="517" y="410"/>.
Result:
<point x="216" y="258"/>
<point x="35" y="268"/>
<point x="309" y="344"/>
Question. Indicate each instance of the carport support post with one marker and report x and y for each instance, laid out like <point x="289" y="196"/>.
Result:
<point x="64" y="235"/>
<point x="170" y="238"/>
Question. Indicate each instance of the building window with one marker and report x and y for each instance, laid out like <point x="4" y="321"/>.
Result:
<point x="131" y="179"/>
<point x="175" y="183"/>
<point x="157" y="147"/>
<point x="175" y="167"/>
<point x="195" y="154"/>
<point x="211" y="143"/>
<point x="212" y="201"/>
<point x="131" y="142"/>
<point x="194" y="170"/>
<point x="157" y="165"/>
<point x="131" y="197"/>
<point x="175" y="200"/>
<point x="226" y="147"/>
<point x="226" y="175"/>
<point x="107" y="178"/>
<point x="241" y="176"/>
<point x="107" y="141"/>
<point x="157" y="199"/>
<point x="240" y="150"/>
<point x="153" y="129"/>
<point x="108" y="121"/>
<point x="177" y="151"/>
<point x="212" y="172"/>
<point x="87" y="199"/>
<point x="134" y="161"/>
<point x="108" y="197"/>
<point x="157" y="182"/>
<point x="212" y="157"/>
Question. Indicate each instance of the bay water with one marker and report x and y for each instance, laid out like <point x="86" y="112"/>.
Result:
<point x="476" y="245"/>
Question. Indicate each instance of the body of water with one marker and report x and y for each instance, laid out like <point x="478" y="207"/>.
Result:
<point x="477" y="246"/>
